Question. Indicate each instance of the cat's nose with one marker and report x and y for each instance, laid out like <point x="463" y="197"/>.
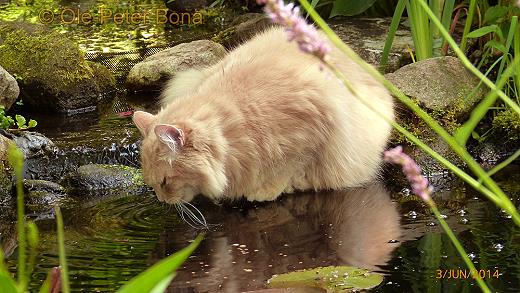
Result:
<point x="160" y="197"/>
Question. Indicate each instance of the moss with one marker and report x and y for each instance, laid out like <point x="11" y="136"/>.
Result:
<point x="224" y="36"/>
<point x="105" y="80"/>
<point x="508" y="123"/>
<point x="411" y="122"/>
<point x="33" y="56"/>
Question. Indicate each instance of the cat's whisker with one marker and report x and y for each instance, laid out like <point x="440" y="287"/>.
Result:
<point x="202" y="219"/>
<point x="195" y="220"/>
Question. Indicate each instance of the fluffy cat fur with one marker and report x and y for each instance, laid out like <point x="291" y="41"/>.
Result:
<point x="266" y="120"/>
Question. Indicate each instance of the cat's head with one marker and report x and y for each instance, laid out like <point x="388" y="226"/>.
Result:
<point x="179" y="160"/>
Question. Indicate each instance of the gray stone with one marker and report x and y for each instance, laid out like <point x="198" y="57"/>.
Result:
<point x="9" y="89"/>
<point x="99" y="177"/>
<point x="41" y="196"/>
<point x="151" y="73"/>
<point x="367" y="36"/>
<point x="440" y="84"/>
<point x="31" y="143"/>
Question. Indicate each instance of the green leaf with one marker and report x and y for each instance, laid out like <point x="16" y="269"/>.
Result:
<point x="7" y="285"/>
<point x="162" y="285"/>
<point x="495" y="13"/>
<point x="20" y="121"/>
<point x="32" y="123"/>
<point x="156" y="276"/>
<point x="484" y="31"/>
<point x="497" y="45"/>
<point x="350" y="7"/>
<point x="329" y="278"/>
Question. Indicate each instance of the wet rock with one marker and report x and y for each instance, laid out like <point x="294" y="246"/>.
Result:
<point x="53" y="73"/>
<point x="440" y="84"/>
<point x="99" y="177"/>
<point x="9" y="90"/>
<point x="185" y="5"/>
<point x="6" y="174"/>
<point x="242" y="29"/>
<point x="31" y="143"/>
<point x="152" y="72"/>
<point x="41" y="196"/>
<point x="367" y="36"/>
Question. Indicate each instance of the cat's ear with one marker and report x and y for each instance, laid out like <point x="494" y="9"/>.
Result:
<point x="170" y="135"/>
<point x="142" y="120"/>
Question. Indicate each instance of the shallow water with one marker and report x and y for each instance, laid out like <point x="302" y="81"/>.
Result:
<point x="112" y="241"/>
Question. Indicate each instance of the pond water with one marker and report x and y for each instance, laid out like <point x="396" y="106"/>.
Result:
<point x="113" y="238"/>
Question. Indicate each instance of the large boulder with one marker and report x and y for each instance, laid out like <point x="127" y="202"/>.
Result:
<point x="445" y="89"/>
<point x="440" y="84"/>
<point x="151" y="73"/>
<point x="51" y="70"/>
<point x="9" y="89"/>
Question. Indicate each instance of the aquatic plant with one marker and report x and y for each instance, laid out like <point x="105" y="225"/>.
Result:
<point x="154" y="279"/>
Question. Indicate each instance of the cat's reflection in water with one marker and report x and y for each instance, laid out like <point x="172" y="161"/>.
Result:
<point x="356" y="227"/>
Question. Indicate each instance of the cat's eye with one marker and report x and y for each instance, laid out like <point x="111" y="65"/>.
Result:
<point x="163" y="183"/>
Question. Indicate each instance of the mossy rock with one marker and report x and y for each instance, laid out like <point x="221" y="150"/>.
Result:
<point x="507" y="123"/>
<point x="101" y="177"/>
<point x="51" y="70"/>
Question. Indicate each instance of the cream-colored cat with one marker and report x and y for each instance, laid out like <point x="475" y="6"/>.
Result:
<point x="267" y="119"/>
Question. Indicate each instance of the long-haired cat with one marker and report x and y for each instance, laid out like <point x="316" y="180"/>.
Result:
<point x="266" y="120"/>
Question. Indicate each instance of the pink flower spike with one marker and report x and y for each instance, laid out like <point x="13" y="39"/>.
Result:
<point x="420" y="185"/>
<point x="305" y="35"/>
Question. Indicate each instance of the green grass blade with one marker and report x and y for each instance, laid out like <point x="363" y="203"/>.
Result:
<point x="509" y="41"/>
<point x="447" y="12"/>
<point x="149" y="279"/>
<point x="7" y="285"/>
<point x="467" y="25"/>
<point x="459" y="247"/>
<point x="516" y="52"/>
<point x="421" y="33"/>
<point x="16" y="161"/>
<point x="464" y="132"/>
<point x="65" y="285"/>
<point x="391" y="34"/>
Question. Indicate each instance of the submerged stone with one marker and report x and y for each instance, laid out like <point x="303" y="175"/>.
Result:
<point x="41" y="196"/>
<point x="99" y="177"/>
